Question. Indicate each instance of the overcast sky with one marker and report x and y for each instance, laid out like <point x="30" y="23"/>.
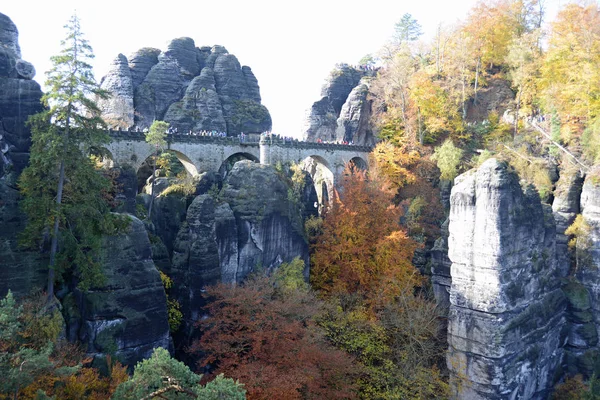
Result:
<point x="290" y="45"/>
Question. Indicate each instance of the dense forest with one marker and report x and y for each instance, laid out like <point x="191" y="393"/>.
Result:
<point x="502" y="83"/>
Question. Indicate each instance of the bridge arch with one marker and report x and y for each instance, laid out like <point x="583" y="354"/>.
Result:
<point x="230" y="161"/>
<point x="143" y="168"/>
<point x="104" y="156"/>
<point x="322" y="176"/>
<point x="358" y="163"/>
<point x="185" y="160"/>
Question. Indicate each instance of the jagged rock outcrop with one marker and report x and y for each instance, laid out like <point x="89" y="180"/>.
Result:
<point x="168" y="214"/>
<point x="128" y="315"/>
<point x="565" y="208"/>
<point x="583" y="341"/>
<point x="117" y="109"/>
<point x="191" y="88"/>
<point x="19" y="98"/>
<point x="141" y="62"/>
<point x="441" y="280"/>
<point x="581" y="333"/>
<point x="200" y="109"/>
<point x="9" y="36"/>
<point x="353" y="124"/>
<point x="250" y="224"/>
<point x="269" y="229"/>
<point x="506" y="307"/>
<point x="343" y="112"/>
<point x="590" y="210"/>
<point x="195" y="261"/>
<point x="21" y="271"/>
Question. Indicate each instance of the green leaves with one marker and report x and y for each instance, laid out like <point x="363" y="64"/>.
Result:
<point x="157" y="134"/>
<point x="448" y="158"/>
<point x="63" y="134"/>
<point x="164" y="377"/>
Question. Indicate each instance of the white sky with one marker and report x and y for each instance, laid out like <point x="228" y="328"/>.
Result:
<point x="290" y="45"/>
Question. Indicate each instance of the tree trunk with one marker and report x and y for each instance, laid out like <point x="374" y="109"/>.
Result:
<point x="464" y="99"/>
<point x="516" y="128"/>
<point x="153" y="181"/>
<point x="54" y="244"/>
<point x="477" y="67"/>
<point x="421" y="138"/>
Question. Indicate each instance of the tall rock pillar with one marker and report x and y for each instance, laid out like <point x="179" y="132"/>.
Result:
<point x="506" y="308"/>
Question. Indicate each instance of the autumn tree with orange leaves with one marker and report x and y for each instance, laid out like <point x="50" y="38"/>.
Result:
<point x="263" y="333"/>
<point x="362" y="244"/>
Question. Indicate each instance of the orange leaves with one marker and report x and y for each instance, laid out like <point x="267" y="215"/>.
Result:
<point x="269" y="341"/>
<point x="362" y="243"/>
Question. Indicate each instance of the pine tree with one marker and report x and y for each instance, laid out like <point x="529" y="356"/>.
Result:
<point x="64" y="194"/>
<point x="407" y="29"/>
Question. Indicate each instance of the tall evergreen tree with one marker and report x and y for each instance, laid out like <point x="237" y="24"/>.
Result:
<point x="64" y="193"/>
<point x="407" y="29"/>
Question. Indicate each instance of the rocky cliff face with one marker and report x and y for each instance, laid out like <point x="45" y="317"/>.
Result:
<point x="584" y="293"/>
<point x="565" y="208"/>
<point x="19" y="98"/>
<point x="128" y="315"/>
<point x="506" y="306"/>
<point x="344" y="110"/>
<point x="250" y="224"/>
<point x="191" y="88"/>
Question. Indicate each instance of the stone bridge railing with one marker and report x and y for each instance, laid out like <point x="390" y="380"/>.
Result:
<point x="250" y="140"/>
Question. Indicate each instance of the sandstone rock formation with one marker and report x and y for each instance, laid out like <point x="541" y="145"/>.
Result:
<point x="128" y="315"/>
<point x="565" y="208"/>
<point x="118" y="109"/>
<point x="506" y="306"/>
<point x="191" y="88"/>
<point x="21" y="271"/>
<point x="344" y="110"/>
<point x="353" y="123"/>
<point x="441" y="280"/>
<point x="19" y="98"/>
<point x="582" y="345"/>
<point x="250" y="224"/>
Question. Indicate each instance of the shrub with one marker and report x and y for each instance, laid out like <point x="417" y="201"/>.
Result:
<point x="448" y="158"/>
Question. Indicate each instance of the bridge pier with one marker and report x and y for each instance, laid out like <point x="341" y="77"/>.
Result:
<point x="264" y="148"/>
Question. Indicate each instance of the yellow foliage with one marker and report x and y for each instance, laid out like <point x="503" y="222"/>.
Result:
<point x="571" y="69"/>
<point x="581" y="231"/>
<point x="395" y="163"/>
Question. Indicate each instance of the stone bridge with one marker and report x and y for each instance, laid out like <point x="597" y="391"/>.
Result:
<point x="324" y="161"/>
